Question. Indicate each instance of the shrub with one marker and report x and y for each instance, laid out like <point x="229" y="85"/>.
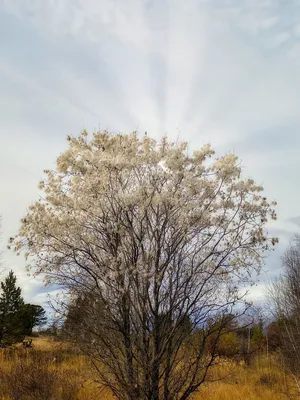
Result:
<point x="268" y="379"/>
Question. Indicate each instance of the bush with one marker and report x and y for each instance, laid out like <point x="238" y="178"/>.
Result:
<point x="268" y="379"/>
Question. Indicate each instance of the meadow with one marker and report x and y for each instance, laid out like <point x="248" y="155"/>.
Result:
<point x="53" y="370"/>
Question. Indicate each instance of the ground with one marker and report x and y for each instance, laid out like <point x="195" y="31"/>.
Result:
<point x="52" y="370"/>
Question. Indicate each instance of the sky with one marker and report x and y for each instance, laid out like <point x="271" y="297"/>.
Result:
<point x="219" y="71"/>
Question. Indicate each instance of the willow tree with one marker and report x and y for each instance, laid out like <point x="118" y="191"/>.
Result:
<point x="150" y="243"/>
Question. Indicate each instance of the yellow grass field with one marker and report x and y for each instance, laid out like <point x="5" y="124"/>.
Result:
<point x="52" y="371"/>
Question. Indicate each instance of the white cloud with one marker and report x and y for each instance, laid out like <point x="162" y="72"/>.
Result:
<point x="296" y="30"/>
<point x="280" y="39"/>
<point x="294" y="53"/>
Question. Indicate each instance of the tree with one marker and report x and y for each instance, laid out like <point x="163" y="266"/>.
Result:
<point x="11" y="303"/>
<point x="284" y="294"/>
<point x="153" y="237"/>
<point x="224" y="341"/>
<point x="32" y="316"/>
<point x="274" y="335"/>
<point x="17" y="319"/>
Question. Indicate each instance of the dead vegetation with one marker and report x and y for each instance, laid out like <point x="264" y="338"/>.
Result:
<point x="55" y="371"/>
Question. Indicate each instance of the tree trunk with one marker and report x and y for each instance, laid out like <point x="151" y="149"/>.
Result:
<point x="128" y="349"/>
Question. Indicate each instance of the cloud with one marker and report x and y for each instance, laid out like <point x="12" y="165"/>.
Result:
<point x="296" y="30"/>
<point x="295" y="220"/>
<point x="220" y="71"/>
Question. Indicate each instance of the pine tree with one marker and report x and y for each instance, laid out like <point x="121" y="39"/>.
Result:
<point x="11" y="304"/>
<point x="31" y="316"/>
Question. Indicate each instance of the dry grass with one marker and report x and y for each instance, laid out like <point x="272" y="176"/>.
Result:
<point x="264" y="379"/>
<point x="54" y="371"/>
<point x="49" y="371"/>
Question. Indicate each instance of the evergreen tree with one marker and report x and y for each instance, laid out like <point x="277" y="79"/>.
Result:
<point x="11" y="304"/>
<point x="32" y="315"/>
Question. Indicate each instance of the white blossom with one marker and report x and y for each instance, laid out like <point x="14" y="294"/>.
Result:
<point x="113" y="185"/>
